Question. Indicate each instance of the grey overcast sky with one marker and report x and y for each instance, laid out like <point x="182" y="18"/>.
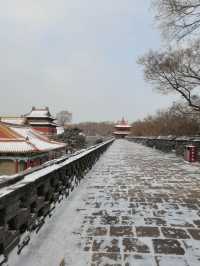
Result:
<point x="78" y="55"/>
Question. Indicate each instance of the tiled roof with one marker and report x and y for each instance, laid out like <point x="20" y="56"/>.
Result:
<point x="15" y="147"/>
<point x="13" y="120"/>
<point x="123" y="123"/>
<point x="39" y="113"/>
<point x="7" y="133"/>
<point x="21" y="139"/>
<point x="36" y="139"/>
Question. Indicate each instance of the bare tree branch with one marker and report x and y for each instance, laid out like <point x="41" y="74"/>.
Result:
<point x="178" y="18"/>
<point x="175" y="71"/>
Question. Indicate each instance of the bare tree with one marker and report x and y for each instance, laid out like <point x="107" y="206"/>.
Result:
<point x="178" y="18"/>
<point x="167" y="122"/>
<point x="96" y="128"/>
<point x="175" y="71"/>
<point x="64" y="117"/>
<point x="182" y="108"/>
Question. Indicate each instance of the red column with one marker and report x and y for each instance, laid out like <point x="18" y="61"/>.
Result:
<point x="16" y="166"/>
<point x="27" y="164"/>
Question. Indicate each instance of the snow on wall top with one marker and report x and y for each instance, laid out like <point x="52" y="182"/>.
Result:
<point x="50" y="167"/>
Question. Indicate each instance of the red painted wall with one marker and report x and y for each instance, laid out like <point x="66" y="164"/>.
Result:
<point x="46" y="130"/>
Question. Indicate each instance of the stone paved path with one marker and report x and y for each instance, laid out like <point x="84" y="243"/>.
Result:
<point x="136" y="207"/>
<point x="145" y="209"/>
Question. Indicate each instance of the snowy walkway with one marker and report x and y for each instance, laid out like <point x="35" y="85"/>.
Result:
<point x="136" y="207"/>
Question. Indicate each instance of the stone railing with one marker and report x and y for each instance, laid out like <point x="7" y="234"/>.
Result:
<point x="28" y="198"/>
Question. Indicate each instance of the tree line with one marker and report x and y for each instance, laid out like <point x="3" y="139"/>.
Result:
<point x="174" y="120"/>
<point x="96" y="128"/>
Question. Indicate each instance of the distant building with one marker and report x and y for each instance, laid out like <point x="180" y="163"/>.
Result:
<point x="22" y="147"/>
<point x="122" y="129"/>
<point x="42" y="120"/>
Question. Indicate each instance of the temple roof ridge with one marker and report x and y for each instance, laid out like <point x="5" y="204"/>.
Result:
<point x="39" y="113"/>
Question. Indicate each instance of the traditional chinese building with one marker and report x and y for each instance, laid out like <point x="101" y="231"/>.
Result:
<point x="14" y="120"/>
<point x="22" y="147"/>
<point x="42" y="120"/>
<point x="122" y="129"/>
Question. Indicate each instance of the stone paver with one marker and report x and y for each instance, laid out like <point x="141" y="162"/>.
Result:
<point x="147" y="231"/>
<point x="136" y="207"/>
<point x="147" y="204"/>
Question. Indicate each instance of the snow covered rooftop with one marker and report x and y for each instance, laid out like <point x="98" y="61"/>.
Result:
<point x="15" y="146"/>
<point x="13" y="120"/>
<point x="21" y="139"/>
<point x="39" y="113"/>
<point x="122" y="124"/>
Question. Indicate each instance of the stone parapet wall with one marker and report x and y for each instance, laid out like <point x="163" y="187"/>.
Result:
<point x="169" y="143"/>
<point x="26" y="202"/>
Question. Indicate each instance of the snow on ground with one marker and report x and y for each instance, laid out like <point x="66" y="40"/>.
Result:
<point x="137" y="206"/>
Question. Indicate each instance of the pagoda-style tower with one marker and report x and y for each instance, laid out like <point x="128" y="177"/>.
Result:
<point x="42" y="120"/>
<point x="122" y="129"/>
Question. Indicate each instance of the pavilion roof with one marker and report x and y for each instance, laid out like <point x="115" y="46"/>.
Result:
<point x="39" y="113"/>
<point x="23" y="139"/>
<point x="122" y="124"/>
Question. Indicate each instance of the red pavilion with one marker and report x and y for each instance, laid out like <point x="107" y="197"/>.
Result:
<point x="122" y="129"/>
<point x="42" y="120"/>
